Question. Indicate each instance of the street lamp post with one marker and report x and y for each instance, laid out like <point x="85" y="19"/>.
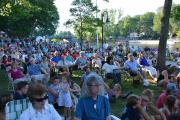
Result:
<point x="107" y="20"/>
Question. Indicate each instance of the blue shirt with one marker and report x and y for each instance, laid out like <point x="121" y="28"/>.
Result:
<point x="51" y="97"/>
<point x="143" y="61"/>
<point x="89" y="109"/>
<point x="34" y="69"/>
<point x="131" y="65"/>
<point x="55" y="59"/>
<point x="69" y="58"/>
<point x="130" y="114"/>
<point x="81" y="61"/>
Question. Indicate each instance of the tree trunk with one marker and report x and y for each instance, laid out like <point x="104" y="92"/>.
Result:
<point x="164" y="35"/>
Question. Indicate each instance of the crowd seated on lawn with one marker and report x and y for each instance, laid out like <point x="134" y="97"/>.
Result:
<point x="54" y="66"/>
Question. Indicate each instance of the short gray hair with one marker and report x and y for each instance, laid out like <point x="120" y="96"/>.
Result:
<point x="92" y="79"/>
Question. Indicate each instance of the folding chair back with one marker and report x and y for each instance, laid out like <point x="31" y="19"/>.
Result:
<point x="14" y="108"/>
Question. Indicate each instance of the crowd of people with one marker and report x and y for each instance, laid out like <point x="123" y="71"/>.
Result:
<point x="43" y="73"/>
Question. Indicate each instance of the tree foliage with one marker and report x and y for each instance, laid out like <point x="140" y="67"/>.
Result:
<point x="83" y="19"/>
<point x="174" y="19"/>
<point x="25" y="18"/>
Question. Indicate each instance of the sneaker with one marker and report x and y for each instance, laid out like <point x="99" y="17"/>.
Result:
<point x="155" y="79"/>
<point x="146" y="82"/>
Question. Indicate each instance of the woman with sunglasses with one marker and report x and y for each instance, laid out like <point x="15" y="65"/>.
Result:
<point x="40" y="109"/>
<point x="93" y="105"/>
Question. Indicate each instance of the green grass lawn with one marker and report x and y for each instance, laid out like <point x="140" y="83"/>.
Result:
<point x="116" y="107"/>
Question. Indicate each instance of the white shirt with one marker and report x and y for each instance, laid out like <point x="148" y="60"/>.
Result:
<point x="109" y="68"/>
<point x="97" y="62"/>
<point x="65" y="63"/>
<point x="48" y="113"/>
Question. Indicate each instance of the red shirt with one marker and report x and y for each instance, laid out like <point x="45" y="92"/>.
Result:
<point x="161" y="100"/>
<point x="74" y="56"/>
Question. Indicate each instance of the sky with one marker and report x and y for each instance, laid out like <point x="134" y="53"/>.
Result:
<point x="129" y="7"/>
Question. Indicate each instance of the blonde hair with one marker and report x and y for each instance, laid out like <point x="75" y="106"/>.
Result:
<point x="148" y="93"/>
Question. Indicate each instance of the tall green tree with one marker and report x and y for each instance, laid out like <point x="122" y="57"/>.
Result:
<point x="83" y="19"/>
<point x="174" y="19"/>
<point x="24" y="18"/>
<point x="163" y="35"/>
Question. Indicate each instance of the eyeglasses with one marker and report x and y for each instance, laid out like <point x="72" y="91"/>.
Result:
<point x="40" y="99"/>
<point x="145" y="100"/>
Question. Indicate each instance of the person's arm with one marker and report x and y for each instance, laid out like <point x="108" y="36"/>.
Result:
<point x="126" y="66"/>
<point x="144" y="114"/>
<point x="152" y="108"/>
<point x="55" y="114"/>
<point x="79" y="112"/>
<point x="9" y="75"/>
<point x="107" y="108"/>
<point x="53" y="92"/>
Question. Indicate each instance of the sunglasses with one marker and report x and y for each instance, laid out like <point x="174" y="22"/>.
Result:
<point x="40" y="99"/>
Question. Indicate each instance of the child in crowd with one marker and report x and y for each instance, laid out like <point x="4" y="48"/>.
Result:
<point x="53" y="93"/>
<point x="133" y="110"/>
<point x="75" y="92"/>
<point x="64" y="99"/>
<point x="21" y="92"/>
<point x="116" y="92"/>
<point x="146" y="103"/>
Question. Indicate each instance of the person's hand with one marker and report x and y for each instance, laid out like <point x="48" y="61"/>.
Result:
<point x="139" y="107"/>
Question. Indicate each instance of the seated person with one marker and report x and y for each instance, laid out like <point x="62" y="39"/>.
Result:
<point x="4" y="62"/>
<point x="162" y="98"/>
<point x="55" y="59"/>
<point x="81" y="61"/>
<point x="169" y="106"/>
<point x="34" y="70"/>
<point x="84" y="76"/>
<point x="96" y="61"/>
<point x="145" y="65"/>
<point x="146" y="103"/>
<point x="16" y="74"/>
<point x="69" y="57"/>
<point x="133" y="68"/>
<point x="21" y="92"/>
<point x="116" y="92"/>
<point x="63" y="62"/>
<point x="111" y="70"/>
<point x="133" y="110"/>
<point x="40" y="108"/>
<point x="163" y="78"/>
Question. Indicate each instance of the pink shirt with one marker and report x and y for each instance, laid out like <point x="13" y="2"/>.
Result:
<point x="16" y="74"/>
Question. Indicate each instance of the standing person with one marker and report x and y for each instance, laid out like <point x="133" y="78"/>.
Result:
<point x="64" y="99"/>
<point x="93" y="105"/>
<point x="40" y="109"/>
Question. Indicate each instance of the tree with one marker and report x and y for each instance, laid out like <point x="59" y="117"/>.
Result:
<point x="25" y="18"/>
<point x="163" y="35"/>
<point x="83" y="20"/>
<point x="146" y="24"/>
<point x="174" y="19"/>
